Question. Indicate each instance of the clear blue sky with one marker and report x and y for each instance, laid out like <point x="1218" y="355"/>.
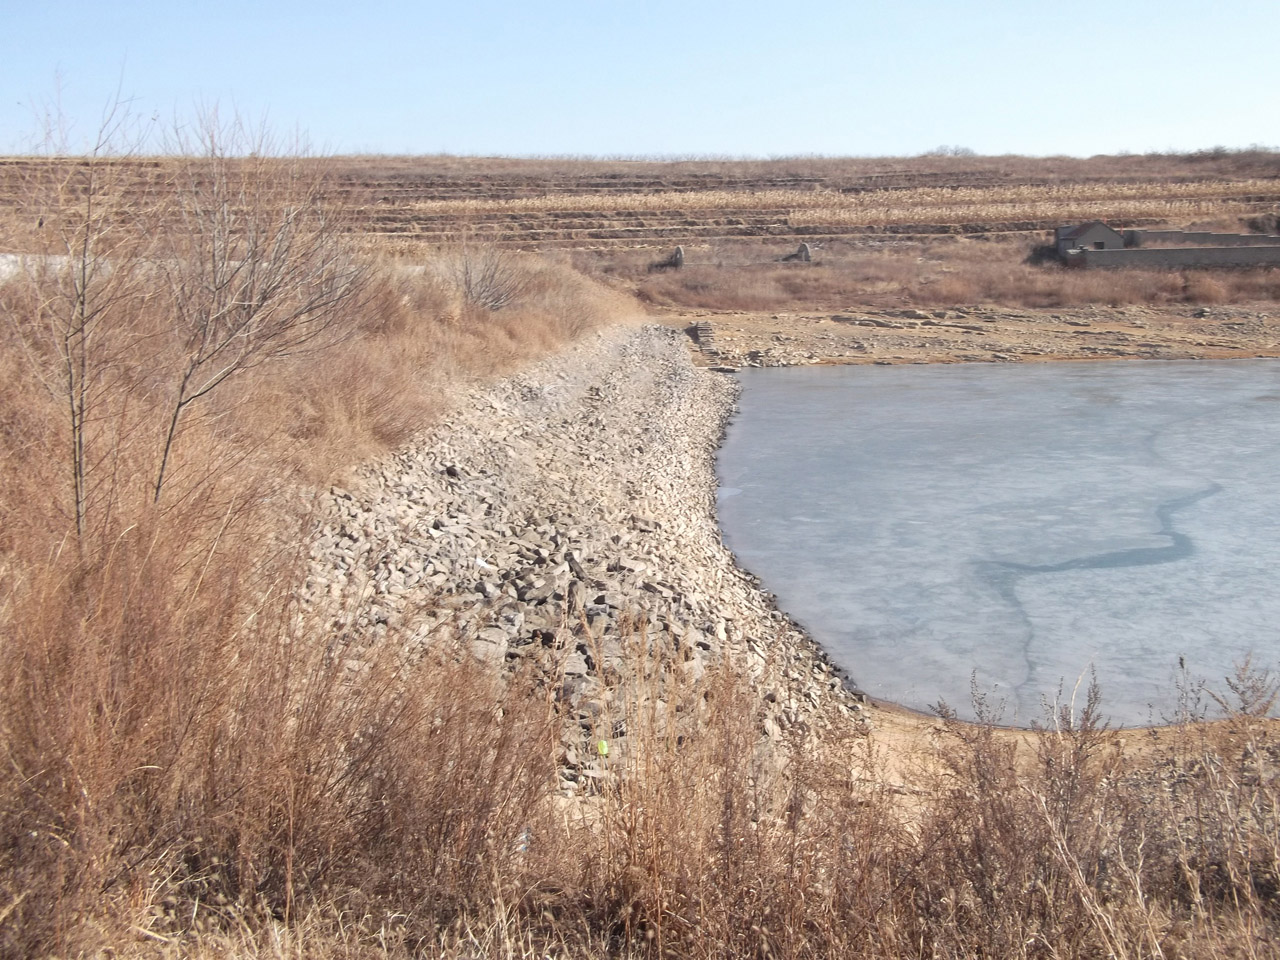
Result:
<point x="661" y="77"/>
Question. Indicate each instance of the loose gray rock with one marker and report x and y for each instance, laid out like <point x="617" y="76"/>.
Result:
<point x="563" y="520"/>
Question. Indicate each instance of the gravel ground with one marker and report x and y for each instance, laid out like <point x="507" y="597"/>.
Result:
<point x="554" y="517"/>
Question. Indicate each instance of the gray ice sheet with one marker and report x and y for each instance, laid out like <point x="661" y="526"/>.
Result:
<point x="1021" y="524"/>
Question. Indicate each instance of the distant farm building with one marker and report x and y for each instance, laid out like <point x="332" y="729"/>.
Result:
<point x="1087" y="236"/>
<point x="1095" y="245"/>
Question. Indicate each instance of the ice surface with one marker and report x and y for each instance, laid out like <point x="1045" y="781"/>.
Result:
<point x="1021" y="525"/>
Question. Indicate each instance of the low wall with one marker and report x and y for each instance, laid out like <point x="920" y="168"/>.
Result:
<point x="1176" y="257"/>
<point x="1140" y="238"/>
<point x="14" y="265"/>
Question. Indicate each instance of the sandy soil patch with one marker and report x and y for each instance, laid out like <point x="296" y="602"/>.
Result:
<point x="978" y="334"/>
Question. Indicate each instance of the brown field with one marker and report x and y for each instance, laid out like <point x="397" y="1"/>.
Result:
<point x="540" y="205"/>
<point x="184" y="771"/>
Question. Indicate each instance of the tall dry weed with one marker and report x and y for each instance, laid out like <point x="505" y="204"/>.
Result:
<point x="190" y="753"/>
<point x="185" y="747"/>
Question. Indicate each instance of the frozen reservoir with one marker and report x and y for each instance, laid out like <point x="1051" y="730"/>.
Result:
<point x="1020" y="525"/>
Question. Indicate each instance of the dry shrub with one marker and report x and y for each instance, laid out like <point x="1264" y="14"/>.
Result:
<point x="1000" y="829"/>
<point x="999" y="273"/>
<point x="1204" y="288"/>
<point x="183" y="749"/>
<point x="751" y="287"/>
<point x="566" y="303"/>
<point x="707" y="841"/>
<point x="951" y="289"/>
<point x="1263" y="284"/>
<point x="714" y="843"/>
<point x="30" y="441"/>
<point x="711" y="287"/>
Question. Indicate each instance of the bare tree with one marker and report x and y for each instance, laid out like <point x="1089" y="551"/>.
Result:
<point x="256" y="264"/>
<point x="83" y="267"/>
<point x="153" y="282"/>
<point x="488" y="276"/>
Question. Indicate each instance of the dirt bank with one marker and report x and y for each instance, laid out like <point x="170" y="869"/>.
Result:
<point x="555" y="520"/>
<point x="981" y="334"/>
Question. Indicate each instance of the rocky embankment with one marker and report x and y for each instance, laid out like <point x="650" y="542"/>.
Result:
<point x="561" y="520"/>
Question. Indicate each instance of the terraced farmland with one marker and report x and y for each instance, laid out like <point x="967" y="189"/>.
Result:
<point x="548" y="214"/>
<point x="763" y="209"/>
<point x="600" y="205"/>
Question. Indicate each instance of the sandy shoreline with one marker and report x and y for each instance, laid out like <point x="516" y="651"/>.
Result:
<point x="981" y="334"/>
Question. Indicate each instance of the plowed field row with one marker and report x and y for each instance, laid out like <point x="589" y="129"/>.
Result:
<point x="675" y="226"/>
<point x="531" y="204"/>
<point x="646" y="233"/>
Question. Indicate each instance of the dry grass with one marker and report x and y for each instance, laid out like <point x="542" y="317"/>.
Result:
<point x="179" y="763"/>
<point x="185" y="748"/>
<point x="399" y="813"/>
<point x="941" y="273"/>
